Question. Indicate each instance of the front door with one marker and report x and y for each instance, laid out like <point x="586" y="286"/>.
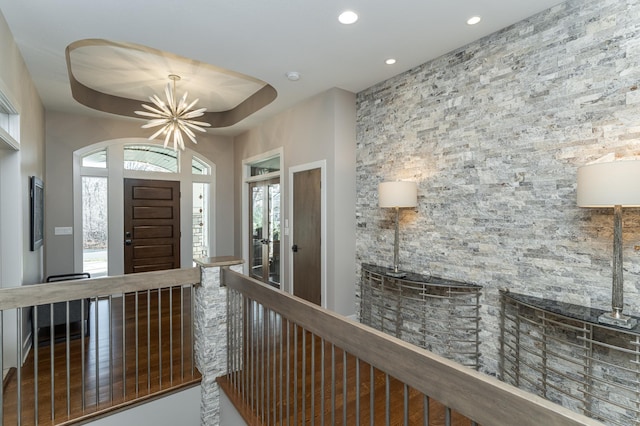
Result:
<point x="151" y="225"/>
<point x="306" y="235"/>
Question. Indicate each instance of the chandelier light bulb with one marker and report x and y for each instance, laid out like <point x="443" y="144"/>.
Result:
<point x="173" y="118"/>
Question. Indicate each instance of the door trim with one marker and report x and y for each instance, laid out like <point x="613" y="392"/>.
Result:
<point x="322" y="165"/>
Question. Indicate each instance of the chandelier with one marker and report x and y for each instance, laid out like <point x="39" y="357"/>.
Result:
<point x="175" y="118"/>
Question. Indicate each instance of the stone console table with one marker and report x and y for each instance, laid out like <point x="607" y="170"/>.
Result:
<point x="560" y="352"/>
<point x="434" y="313"/>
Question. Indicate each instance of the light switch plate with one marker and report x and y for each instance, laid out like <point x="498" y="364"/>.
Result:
<point x="63" y="230"/>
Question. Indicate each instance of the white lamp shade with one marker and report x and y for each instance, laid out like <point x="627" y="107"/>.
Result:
<point x="609" y="184"/>
<point x="398" y="194"/>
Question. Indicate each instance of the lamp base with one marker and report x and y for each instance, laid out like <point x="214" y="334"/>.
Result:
<point x="394" y="274"/>
<point x="622" y="321"/>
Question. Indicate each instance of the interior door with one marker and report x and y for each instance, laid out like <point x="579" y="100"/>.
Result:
<point x="307" y="229"/>
<point x="151" y="225"/>
<point x="264" y="213"/>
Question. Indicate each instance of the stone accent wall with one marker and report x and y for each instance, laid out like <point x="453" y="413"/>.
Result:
<point x="211" y="340"/>
<point x="493" y="133"/>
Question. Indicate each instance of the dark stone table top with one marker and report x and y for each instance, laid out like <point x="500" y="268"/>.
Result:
<point x="569" y="310"/>
<point x="419" y="278"/>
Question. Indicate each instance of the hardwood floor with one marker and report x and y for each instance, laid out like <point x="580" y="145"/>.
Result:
<point x="106" y="370"/>
<point x="280" y="386"/>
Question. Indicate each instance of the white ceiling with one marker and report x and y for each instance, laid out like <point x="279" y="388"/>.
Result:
<point x="263" y="39"/>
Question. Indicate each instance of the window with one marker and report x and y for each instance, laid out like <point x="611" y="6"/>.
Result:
<point x="9" y="122"/>
<point x="264" y="167"/>
<point x="200" y="223"/>
<point x="199" y="167"/>
<point x="97" y="159"/>
<point x="94" y="226"/>
<point x="150" y="158"/>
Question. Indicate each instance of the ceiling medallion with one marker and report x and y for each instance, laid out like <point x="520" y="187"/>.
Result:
<point x="175" y="117"/>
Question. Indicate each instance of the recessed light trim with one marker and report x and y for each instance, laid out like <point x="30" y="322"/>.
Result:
<point x="474" y="20"/>
<point x="293" y="75"/>
<point x="390" y="61"/>
<point x="348" y="17"/>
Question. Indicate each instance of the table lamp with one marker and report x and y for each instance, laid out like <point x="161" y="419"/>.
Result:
<point x="613" y="184"/>
<point x="397" y="195"/>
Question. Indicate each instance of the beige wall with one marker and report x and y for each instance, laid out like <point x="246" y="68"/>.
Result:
<point x="18" y="264"/>
<point x="67" y="133"/>
<point x="321" y="128"/>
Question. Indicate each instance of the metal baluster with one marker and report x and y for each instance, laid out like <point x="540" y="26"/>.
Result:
<point x="19" y="362"/>
<point x="322" y="383"/>
<point x="137" y="312"/>
<point x="333" y="384"/>
<point x="425" y="408"/>
<point x="124" y="346"/>
<point x="51" y="365"/>
<point x="372" y="395"/>
<point x="344" y="387"/>
<point x="357" y="391"/>
<point x="313" y="377"/>
<point x="110" y="348"/>
<point x="288" y="372"/>
<point x="406" y="405"/>
<point x="261" y="360"/>
<point x="191" y="327"/>
<point x="304" y="374"/>
<point x="68" y="350"/>
<point x="387" y="399"/>
<point x="268" y="363"/>
<point x="34" y="339"/>
<point x="83" y="330"/>
<point x="160" y="337"/>
<point x="295" y="373"/>
<point x="281" y="369"/>
<point x="148" y="341"/>
<point x="182" y="332"/>
<point x="2" y="364"/>
<point x="171" y="335"/>
<point x="97" y="353"/>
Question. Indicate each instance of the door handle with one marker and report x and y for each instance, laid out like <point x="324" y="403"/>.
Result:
<point x="294" y="248"/>
<point x="127" y="242"/>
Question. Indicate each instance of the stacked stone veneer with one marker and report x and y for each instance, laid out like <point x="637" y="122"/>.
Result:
<point x="494" y="133"/>
<point x="211" y="340"/>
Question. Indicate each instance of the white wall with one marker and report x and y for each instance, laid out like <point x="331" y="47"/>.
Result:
<point x="182" y="408"/>
<point x="18" y="265"/>
<point x="320" y="128"/>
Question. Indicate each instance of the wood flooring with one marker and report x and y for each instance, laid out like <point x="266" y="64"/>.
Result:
<point x="82" y="377"/>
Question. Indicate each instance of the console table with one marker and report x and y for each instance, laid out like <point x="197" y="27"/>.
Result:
<point x="434" y="313"/>
<point x="560" y="352"/>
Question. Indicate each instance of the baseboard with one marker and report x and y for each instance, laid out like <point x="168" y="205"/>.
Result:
<point x="353" y="317"/>
<point x="7" y="375"/>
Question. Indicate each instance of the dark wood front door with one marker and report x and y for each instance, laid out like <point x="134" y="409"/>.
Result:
<point x="307" y="229"/>
<point x="151" y="225"/>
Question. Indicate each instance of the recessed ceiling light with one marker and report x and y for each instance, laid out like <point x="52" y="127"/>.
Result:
<point x="348" y="17"/>
<point x="390" y="61"/>
<point x="293" y="75"/>
<point x="473" y="20"/>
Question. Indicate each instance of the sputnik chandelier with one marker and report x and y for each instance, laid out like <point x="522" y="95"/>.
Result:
<point x="174" y="117"/>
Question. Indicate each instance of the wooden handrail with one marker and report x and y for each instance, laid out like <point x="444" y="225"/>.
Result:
<point x="38" y="294"/>
<point x="478" y="396"/>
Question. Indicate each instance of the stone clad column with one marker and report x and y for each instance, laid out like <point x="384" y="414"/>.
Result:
<point x="211" y="332"/>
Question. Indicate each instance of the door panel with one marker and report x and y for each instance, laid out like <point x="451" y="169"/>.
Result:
<point x="264" y="212"/>
<point x="307" y="229"/>
<point x="152" y="225"/>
